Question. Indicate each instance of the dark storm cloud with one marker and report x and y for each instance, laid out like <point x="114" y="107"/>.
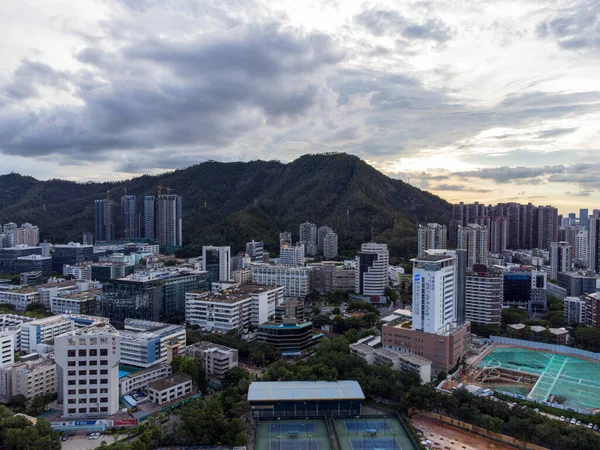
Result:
<point x="574" y="28"/>
<point x="156" y="93"/>
<point x="385" y="22"/>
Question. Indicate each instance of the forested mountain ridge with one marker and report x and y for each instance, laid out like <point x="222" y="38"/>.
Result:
<point x="232" y="203"/>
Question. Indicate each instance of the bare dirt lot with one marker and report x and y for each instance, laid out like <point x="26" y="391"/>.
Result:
<point x="447" y="437"/>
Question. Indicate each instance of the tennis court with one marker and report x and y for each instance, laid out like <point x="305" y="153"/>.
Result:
<point x="375" y="443"/>
<point x="293" y="435"/>
<point x="293" y="445"/>
<point x="292" y="427"/>
<point x="367" y="425"/>
<point x="570" y="381"/>
<point x="372" y="433"/>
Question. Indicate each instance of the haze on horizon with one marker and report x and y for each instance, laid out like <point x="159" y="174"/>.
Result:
<point x="489" y="101"/>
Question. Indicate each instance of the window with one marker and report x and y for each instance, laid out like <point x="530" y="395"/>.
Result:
<point x="72" y="401"/>
<point x="104" y="381"/>
<point x="71" y="363"/>
<point x="103" y="362"/>
<point x="71" y="382"/>
<point x="72" y="410"/>
<point x="103" y="399"/>
<point x="93" y="391"/>
<point x="93" y="400"/>
<point x="93" y="381"/>
<point x="103" y="352"/>
<point x="71" y="353"/>
<point x="93" y="410"/>
<point x="104" y="390"/>
<point x="82" y="352"/>
<point x="93" y="352"/>
<point x="104" y="409"/>
<point x="72" y="373"/>
<point x="93" y="372"/>
<point x="83" y="400"/>
<point x="83" y="372"/>
<point x="72" y="391"/>
<point x="82" y="381"/>
<point x="93" y="363"/>
<point x="82" y="410"/>
<point x="103" y="372"/>
<point x="82" y="391"/>
<point x="82" y="362"/>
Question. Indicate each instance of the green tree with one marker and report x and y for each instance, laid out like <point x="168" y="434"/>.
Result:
<point x="187" y="365"/>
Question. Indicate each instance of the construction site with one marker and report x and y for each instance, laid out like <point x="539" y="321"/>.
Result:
<point x="555" y="379"/>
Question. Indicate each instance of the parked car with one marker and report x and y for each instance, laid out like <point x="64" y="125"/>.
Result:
<point x="65" y="437"/>
<point x="590" y="425"/>
<point x="562" y="418"/>
<point x="573" y="421"/>
<point x="595" y="427"/>
<point x="579" y="422"/>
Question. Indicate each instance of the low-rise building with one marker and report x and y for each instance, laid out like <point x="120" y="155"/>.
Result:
<point x="37" y="377"/>
<point x="87" y="302"/>
<point x="290" y="308"/>
<point x="216" y="359"/>
<point x="414" y="363"/>
<point x="574" y="308"/>
<point x="443" y="350"/>
<point x="169" y="389"/>
<point x="291" y="337"/>
<point x="363" y="352"/>
<point x="145" y="343"/>
<point x="43" y="330"/>
<point x="141" y="379"/>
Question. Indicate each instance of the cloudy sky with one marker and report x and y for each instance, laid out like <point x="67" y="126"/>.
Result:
<point x="487" y="100"/>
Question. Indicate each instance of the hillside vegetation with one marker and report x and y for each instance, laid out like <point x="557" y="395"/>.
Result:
<point x="232" y="203"/>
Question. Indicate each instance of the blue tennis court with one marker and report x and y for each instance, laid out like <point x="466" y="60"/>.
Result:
<point x="375" y="443"/>
<point x="275" y="444"/>
<point x="292" y="427"/>
<point x="358" y="426"/>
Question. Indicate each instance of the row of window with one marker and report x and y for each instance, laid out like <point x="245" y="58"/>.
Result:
<point x="85" y="372"/>
<point x="92" y="381"/>
<point x="85" y="410"/>
<point x="103" y="362"/>
<point x="84" y="352"/>
<point x="72" y="401"/>
<point x="85" y="391"/>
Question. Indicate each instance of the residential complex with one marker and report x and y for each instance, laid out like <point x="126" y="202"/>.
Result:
<point x="371" y="269"/>
<point x="432" y="236"/>
<point x="296" y="281"/>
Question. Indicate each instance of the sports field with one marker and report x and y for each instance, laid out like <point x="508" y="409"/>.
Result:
<point x="293" y="435"/>
<point x="570" y="381"/>
<point x="370" y="434"/>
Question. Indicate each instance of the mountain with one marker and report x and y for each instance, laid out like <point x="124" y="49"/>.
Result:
<point x="232" y="203"/>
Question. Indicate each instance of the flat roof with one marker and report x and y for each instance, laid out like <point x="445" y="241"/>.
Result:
<point x="415" y="359"/>
<point x="169" y="382"/>
<point x="235" y="294"/>
<point x="304" y="390"/>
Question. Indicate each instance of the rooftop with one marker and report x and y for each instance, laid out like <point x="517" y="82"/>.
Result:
<point x="99" y="328"/>
<point x="362" y="348"/>
<point x="304" y="390"/>
<point x="169" y="382"/>
<point x="204" y="345"/>
<point x="85" y="295"/>
<point x="142" y="372"/>
<point x="236" y="294"/>
<point x="415" y="359"/>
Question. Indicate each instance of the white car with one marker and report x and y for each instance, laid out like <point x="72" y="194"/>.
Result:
<point x="579" y="422"/>
<point x="590" y="425"/>
<point x="562" y="418"/>
<point x="573" y="421"/>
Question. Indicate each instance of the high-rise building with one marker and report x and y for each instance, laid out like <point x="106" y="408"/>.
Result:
<point x="594" y="244"/>
<point x="525" y="289"/>
<point x="308" y="237"/>
<point x="87" y="238"/>
<point x="474" y="238"/>
<point x="545" y="230"/>
<point x="330" y="245"/>
<point x="583" y="217"/>
<point x="297" y="281"/>
<point x="581" y="246"/>
<point x="285" y="239"/>
<point x="129" y="219"/>
<point x="149" y="217"/>
<point x="88" y="371"/>
<point x="372" y="269"/>
<point x="169" y="222"/>
<point x="434" y="292"/>
<point x="104" y="225"/>
<point x="498" y="231"/>
<point x="483" y="296"/>
<point x="561" y="256"/>
<point x="217" y="262"/>
<point x="321" y="233"/>
<point x="71" y="253"/>
<point x="255" y="251"/>
<point x="432" y="236"/>
<point x="292" y="256"/>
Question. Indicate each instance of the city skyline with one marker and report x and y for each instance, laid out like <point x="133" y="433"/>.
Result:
<point x="507" y="94"/>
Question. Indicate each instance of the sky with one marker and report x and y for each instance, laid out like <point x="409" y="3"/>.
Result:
<point x="483" y="101"/>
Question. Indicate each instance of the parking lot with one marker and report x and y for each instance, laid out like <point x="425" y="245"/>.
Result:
<point x="81" y="442"/>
